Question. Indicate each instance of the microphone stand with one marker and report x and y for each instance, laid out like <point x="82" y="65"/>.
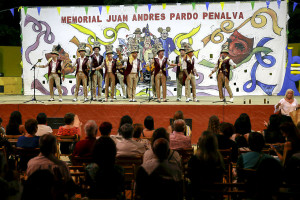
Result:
<point x="34" y="98"/>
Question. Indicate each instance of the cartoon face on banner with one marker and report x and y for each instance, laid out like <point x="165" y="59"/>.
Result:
<point x="255" y="37"/>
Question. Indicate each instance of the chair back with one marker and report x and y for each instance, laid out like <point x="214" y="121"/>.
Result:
<point x="66" y="139"/>
<point x="12" y="138"/>
<point x="185" y="154"/>
<point x="226" y="153"/>
<point x="80" y="161"/>
<point x="23" y="155"/>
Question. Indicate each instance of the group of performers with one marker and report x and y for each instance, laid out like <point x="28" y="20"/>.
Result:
<point x="127" y="70"/>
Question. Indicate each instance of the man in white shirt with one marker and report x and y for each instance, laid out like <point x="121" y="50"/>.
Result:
<point x="42" y="127"/>
<point x="110" y="72"/>
<point x="160" y="62"/>
<point x="223" y="68"/>
<point x="131" y="74"/>
<point x="128" y="146"/>
<point x="81" y="74"/>
<point x="190" y="72"/>
<point x="97" y="75"/>
<point x="55" y="68"/>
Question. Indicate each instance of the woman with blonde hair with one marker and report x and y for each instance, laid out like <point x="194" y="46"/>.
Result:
<point x="287" y="104"/>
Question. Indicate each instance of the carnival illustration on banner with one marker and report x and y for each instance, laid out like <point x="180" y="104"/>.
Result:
<point x="255" y="34"/>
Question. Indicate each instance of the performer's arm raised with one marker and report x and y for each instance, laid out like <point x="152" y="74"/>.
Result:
<point x="46" y="65"/>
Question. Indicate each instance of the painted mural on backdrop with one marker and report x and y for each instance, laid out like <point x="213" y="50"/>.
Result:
<point x="255" y="39"/>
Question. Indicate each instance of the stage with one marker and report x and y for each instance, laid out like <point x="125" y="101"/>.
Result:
<point x="199" y="112"/>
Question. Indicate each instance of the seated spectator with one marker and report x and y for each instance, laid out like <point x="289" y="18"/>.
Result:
<point x="265" y="172"/>
<point x="137" y="132"/>
<point x="2" y="129"/>
<point x="292" y="172"/>
<point x="242" y="127"/>
<point x="149" y="156"/>
<point x="224" y="141"/>
<point x="129" y="147"/>
<point x="149" y="127"/>
<point x="206" y="167"/>
<point x="5" y="143"/>
<point x="14" y="126"/>
<point x="105" y="128"/>
<point x="84" y="147"/>
<point x="159" y="179"/>
<point x="214" y="125"/>
<point x="29" y="140"/>
<point x="124" y="120"/>
<point x="42" y="127"/>
<point x="177" y="139"/>
<point x="70" y="129"/>
<point x="47" y="160"/>
<point x="106" y="180"/>
<point x="179" y="115"/>
<point x="272" y="133"/>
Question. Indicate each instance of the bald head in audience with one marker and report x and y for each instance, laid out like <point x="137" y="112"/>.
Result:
<point x="179" y="125"/>
<point x="91" y="128"/>
<point x="48" y="144"/>
<point x="161" y="149"/>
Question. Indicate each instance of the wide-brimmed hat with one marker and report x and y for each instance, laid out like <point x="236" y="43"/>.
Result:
<point x="183" y="46"/>
<point x="160" y="48"/>
<point x="134" y="49"/>
<point x="56" y="49"/>
<point x="137" y="31"/>
<point x="225" y="48"/>
<point x="81" y="47"/>
<point x="97" y="45"/>
<point x="109" y="49"/>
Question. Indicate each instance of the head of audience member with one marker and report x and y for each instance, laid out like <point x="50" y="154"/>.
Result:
<point x="227" y="129"/>
<point x="179" y="125"/>
<point x="41" y="118"/>
<point x="48" y="145"/>
<point x="105" y="128"/>
<point x="160" y="133"/>
<point x="125" y="120"/>
<point x="208" y="147"/>
<point x="126" y="131"/>
<point x="90" y="128"/>
<point x="137" y="130"/>
<point x="291" y="133"/>
<point x="15" y="118"/>
<point x="39" y="185"/>
<point x="256" y="141"/>
<point x="178" y="115"/>
<point x="161" y="149"/>
<point x="69" y="118"/>
<point x="243" y="124"/>
<point x="274" y="122"/>
<point x="285" y="118"/>
<point x="31" y="126"/>
<point x="214" y="124"/>
<point x="105" y="151"/>
<point x="149" y="123"/>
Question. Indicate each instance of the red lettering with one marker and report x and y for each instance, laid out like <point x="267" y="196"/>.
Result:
<point x="211" y="15"/>
<point x="163" y="16"/>
<point x="94" y="19"/>
<point x="134" y="18"/>
<point x="217" y="15"/>
<point x="241" y="16"/>
<point x="156" y="16"/>
<point x="69" y="19"/>
<point x="151" y="17"/>
<point x="189" y="16"/>
<point x="223" y="16"/>
<point x="125" y="18"/>
<point x="119" y="18"/>
<point x="172" y="15"/>
<point x="79" y="19"/>
<point x="204" y="15"/>
<point x="183" y="16"/>
<point x="146" y="17"/>
<point x="195" y="16"/>
<point x="85" y="19"/>
<point x="74" y="19"/>
<point x="98" y="19"/>
<point x="140" y="17"/>
<point x="227" y="16"/>
<point x="234" y="14"/>
<point x="63" y="19"/>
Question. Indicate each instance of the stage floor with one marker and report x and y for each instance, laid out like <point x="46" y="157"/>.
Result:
<point x="199" y="112"/>
<point x="204" y="100"/>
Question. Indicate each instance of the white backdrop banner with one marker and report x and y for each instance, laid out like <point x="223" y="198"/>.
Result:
<point x="256" y="35"/>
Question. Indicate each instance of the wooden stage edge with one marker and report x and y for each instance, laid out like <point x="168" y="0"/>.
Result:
<point x="161" y="112"/>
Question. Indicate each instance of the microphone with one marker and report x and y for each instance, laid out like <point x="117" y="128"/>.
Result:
<point x="39" y="60"/>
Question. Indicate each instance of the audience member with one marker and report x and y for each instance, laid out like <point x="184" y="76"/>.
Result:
<point x="272" y="133"/>
<point x="214" y="125"/>
<point x="14" y="126"/>
<point x="2" y="129"/>
<point x="261" y="172"/>
<point x="206" y="167"/>
<point x="84" y="147"/>
<point x="47" y="160"/>
<point x="242" y="126"/>
<point x="129" y="147"/>
<point x="137" y="132"/>
<point x="5" y="143"/>
<point x="106" y="180"/>
<point x="159" y="179"/>
<point x="105" y="128"/>
<point x="239" y="138"/>
<point x="126" y="119"/>
<point x="179" y="115"/>
<point x="224" y="141"/>
<point x="149" y="127"/>
<point x="70" y="129"/>
<point x="29" y="140"/>
<point x="42" y="127"/>
<point x="177" y="139"/>
<point x="149" y="156"/>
